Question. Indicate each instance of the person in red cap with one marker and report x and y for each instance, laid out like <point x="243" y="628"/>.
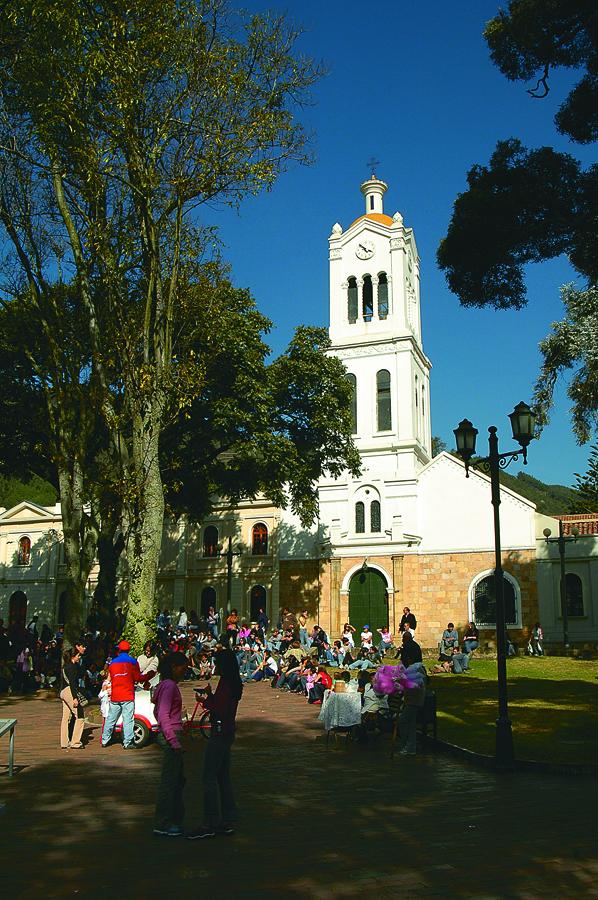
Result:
<point x="124" y="673"/>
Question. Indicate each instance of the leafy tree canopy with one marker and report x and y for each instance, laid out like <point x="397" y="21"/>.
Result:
<point x="572" y="345"/>
<point x="530" y="205"/>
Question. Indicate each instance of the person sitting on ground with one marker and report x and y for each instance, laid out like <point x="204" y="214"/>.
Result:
<point x="410" y="651"/>
<point x="338" y="655"/>
<point x="346" y="652"/>
<point x="471" y="638"/>
<point x="363" y="661"/>
<point x="266" y="668"/>
<point x="322" y="682"/>
<point x="348" y="632"/>
<point x="457" y="663"/>
<point x="287" y="640"/>
<point x="318" y="637"/>
<point x="367" y="638"/>
<point x="385" y="645"/>
<point x="273" y="643"/>
<point x="449" y="640"/>
<point x="244" y="632"/>
<point x="289" y="666"/>
<point x="295" y="650"/>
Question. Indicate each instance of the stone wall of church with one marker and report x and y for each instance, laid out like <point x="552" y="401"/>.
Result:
<point x="436" y="588"/>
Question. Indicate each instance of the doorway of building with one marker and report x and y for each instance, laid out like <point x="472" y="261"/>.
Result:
<point x="257" y="601"/>
<point x="368" y="602"/>
<point x="208" y="598"/>
<point x="17" y="612"/>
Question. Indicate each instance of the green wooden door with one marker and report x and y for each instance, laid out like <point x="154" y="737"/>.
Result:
<point x="368" y="603"/>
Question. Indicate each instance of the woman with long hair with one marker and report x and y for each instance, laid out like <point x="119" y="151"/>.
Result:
<point x="168" y="706"/>
<point x="220" y="811"/>
<point x="73" y="716"/>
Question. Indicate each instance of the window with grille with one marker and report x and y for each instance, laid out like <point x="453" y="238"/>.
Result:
<point x="382" y="296"/>
<point x="352" y="300"/>
<point x="210" y="541"/>
<point x="383" y="405"/>
<point x="375" y="516"/>
<point x="359" y="517"/>
<point x="574" y="594"/>
<point x="368" y="298"/>
<point x="259" y="540"/>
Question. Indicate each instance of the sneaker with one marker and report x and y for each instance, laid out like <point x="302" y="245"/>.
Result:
<point x="225" y="829"/>
<point x="129" y="747"/>
<point x="407" y="752"/>
<point x="202" y="832"/>
<point x="168" y="831"/>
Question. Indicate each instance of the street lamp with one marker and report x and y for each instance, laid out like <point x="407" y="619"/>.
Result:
<point x="522" y="424"/>
<point x="562" y="540"/>
<point x="229" y="570"/>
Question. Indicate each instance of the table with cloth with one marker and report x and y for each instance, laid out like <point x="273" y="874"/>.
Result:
<point x="340" y="711"/>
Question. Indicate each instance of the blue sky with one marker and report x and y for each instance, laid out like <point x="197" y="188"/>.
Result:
<point x="412" y="85"/>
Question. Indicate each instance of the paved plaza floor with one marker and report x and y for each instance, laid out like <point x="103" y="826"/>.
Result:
<point x="315" y="822"/>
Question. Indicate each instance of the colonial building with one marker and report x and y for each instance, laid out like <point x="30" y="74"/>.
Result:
<point x="409" y="531"/>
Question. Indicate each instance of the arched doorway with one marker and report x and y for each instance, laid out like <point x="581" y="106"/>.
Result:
<point x="17" y="612"/>
<point x="208" y="598"/>
<point x="257" y="601"/>
<point x="368" y="601"/>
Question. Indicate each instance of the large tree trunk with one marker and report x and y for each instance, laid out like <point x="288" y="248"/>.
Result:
<point x="80" y="542"/>
<point x="110" y="547"/>
<point x="145" y="538"/>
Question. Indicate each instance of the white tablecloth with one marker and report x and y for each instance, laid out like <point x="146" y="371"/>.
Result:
<point x="340" y="710"/>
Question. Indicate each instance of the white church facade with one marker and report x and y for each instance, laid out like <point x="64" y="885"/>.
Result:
<point x="409" y="531"/>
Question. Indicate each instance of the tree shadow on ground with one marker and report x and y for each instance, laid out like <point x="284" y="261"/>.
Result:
<point x="315" y="822"/>
<point x="552" y="721"/>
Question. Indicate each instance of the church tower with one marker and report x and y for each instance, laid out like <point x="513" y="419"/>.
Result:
<point x="375" y="328"/>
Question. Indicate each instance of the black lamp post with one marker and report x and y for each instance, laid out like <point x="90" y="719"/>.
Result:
<point x="562" y="540"/>
<point x="230" y="553"/>
<point x="522" y="424"/>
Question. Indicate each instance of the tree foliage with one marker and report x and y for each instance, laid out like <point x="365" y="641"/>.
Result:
<point x="117" y="120"/>
<point x="572" y="345"/>
<point x="530" y="205"/>
<point x="586" y="487"/>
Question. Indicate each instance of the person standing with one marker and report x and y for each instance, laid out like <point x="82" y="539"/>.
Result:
<point x="414" y="698"/>
<point x="168" y="705"/>
<point x="303" y="638"/>
<point x="220" y="810"/>
<point x="124" y="674"/>
<point x="408" y="620"/>
<point x="72" y="712"/>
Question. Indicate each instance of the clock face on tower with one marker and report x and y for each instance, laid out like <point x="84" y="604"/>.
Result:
<point x="365" y="250"/>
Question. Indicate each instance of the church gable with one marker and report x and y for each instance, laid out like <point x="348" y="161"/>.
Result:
<point x="456" y="512"/>
<point x="27" y="512"/>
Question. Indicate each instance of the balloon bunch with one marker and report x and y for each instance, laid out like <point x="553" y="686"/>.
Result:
<point x="392" y="679"/>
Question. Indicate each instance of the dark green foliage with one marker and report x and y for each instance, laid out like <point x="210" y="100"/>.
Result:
<point x="36" y="489"/>
<point x="550" y="499"/>
<point x="531" y="205"/>
<point x="585" y="498"/>
<point x="438" y="446"/>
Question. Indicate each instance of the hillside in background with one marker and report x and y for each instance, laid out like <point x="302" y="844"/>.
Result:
<point x="13" y="491"/>
<point x="550" y="499"/>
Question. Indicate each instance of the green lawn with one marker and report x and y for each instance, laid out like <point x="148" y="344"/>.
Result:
<point x="553" y="706"/>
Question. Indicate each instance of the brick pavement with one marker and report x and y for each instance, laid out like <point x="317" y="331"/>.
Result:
<point x="318" y="823"/>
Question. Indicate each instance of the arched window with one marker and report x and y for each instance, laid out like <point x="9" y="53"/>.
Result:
<point x="210" y="541"/>
<point x="208" y="598"/>
<point x="24" y="554"/>
<point x="368" y="298"/>
<point x="382" y="296"/>
<point x="484" y="602"/>
<point x="359" y="518"/>
<point x="352" y="303"/>
<point x="353" y="382"/>
<point x="383" y="407"/>
<point x="574" y="594"/>
<point x="375" y="516"/>
<point x="257" y="601"/>
<point x="259" y="539"/>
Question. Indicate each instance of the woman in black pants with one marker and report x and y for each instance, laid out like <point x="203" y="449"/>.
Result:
<point x="220" y="810"/>
<point x="72" y="713"/>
